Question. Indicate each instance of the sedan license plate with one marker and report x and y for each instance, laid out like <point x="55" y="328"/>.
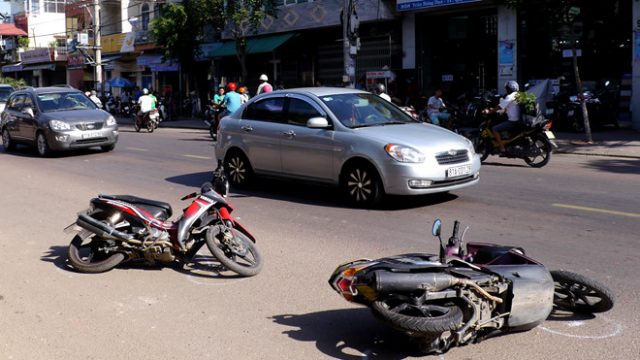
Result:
<point x="90" y="134"/>
<point x="550" y="135"/>
<point x="458" y="171"/>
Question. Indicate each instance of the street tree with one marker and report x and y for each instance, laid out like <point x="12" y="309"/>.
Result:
<point x="567" y="24"/>
<point x="241" y="18"/>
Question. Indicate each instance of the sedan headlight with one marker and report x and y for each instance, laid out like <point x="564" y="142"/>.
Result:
<point x="59" y="125"/>
<point x="404" y="153"/>
<point x="111" y="121"/>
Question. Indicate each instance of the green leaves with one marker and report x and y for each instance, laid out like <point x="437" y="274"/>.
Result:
<point x="527" y="101"/>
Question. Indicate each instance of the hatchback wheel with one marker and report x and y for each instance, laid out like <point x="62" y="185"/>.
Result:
<point x="362" y="185"/>
<point x="42" y="145"/>
<point x="6" y="141"/>
<point x="238" y="169"/>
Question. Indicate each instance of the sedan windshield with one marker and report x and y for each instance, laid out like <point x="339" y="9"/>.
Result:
<point x="64" y="102"/>
<point x="361" y="110"/>
<point x="4" y="94"/>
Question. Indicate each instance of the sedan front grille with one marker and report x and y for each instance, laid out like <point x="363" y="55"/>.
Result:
<point x="452" y="157"/>
<point x="89" y="126"/>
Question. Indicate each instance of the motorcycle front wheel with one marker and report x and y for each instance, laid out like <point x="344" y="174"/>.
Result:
<point x="580" y="294"/>
<point x="482" y="147"/>
<point x="543" y="146"/>
<point x="234" y="250"/>
<point x="425" y="319"/>
<point x="85" y="255"/>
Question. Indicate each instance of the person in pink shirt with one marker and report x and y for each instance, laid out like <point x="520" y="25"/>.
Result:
<point x="264" y="86"/>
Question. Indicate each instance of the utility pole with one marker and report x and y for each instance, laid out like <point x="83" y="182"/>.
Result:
<point x="350" y="25"/>
<point x="96" y="42"/>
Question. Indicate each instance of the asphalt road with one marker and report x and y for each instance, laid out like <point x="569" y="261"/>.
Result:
<point x="578" y="213"/>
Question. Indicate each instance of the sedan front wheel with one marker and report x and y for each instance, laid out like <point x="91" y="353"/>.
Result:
<point x="42" y="145"/>
<point x="362" y="185"/>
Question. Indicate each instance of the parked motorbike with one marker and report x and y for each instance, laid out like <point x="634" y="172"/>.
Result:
<point x="601" y="106"/>
<point x="465" y="295"/>
<point x="123" y="228"/>
<point x="162" y="109"/>
<point x="148" y="120"/>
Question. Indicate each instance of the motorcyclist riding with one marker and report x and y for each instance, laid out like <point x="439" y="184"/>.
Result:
<point x="232" y="100"/>
<point x="509" y="106"/>
<point x="379" y="90"/>
<point x="146" y="103"/>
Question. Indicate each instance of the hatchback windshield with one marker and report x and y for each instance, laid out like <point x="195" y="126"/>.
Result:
<point x="4" y="94"/>
<point x="64" y="102"/>
<point x="360" y="110"/>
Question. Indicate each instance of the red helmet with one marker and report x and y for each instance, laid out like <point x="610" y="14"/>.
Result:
<point x="231" y="86"/>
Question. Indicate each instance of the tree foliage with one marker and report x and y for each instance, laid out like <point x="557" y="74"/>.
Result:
<point x="15" y="83"/>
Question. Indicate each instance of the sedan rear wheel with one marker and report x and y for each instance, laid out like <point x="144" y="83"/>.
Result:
<point x="6" y="141"/>
<point x="238" y="169"/>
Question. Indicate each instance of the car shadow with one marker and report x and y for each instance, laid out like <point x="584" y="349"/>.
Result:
<point x="488" y="163"/>
<point x="31" y="152"/>
<point x="564" y="315"/>
<point x="348" y="334"/>
<point x="311" y="194"/>
<point x="616" y="165"/>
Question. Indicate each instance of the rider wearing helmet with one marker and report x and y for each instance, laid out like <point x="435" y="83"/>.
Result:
<point x="508" y="106"/>
<point x="264" y="86"/>
<point x="146" y="103"/>
<point x="379" y="89"/>
<point x="232" y="100"/>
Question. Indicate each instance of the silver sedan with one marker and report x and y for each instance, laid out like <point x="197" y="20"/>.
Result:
<point x="349" y="138"/>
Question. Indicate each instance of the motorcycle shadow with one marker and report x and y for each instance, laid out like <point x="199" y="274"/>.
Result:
<point x="348" y="334"/>
<point x="57" y="255"/>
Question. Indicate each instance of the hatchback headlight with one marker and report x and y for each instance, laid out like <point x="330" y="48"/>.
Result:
<point x="59" y="125"/>
<point x="404" y="153"/>
<point x="111" y="121"/>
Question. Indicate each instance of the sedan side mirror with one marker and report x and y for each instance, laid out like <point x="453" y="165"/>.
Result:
<point x="318" y="123"/>
<point x="28" y="110"/>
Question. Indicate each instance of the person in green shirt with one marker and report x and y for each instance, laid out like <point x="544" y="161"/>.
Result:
<point x="152" y="94"/>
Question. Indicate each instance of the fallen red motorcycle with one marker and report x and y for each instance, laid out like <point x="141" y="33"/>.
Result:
<point x="122" y="228"/>
<point x="465" y="295"/>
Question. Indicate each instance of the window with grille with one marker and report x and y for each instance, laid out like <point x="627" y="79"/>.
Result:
<point x="54" y="6"/>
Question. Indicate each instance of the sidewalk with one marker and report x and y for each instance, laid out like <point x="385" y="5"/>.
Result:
<point x="606" y="142"/>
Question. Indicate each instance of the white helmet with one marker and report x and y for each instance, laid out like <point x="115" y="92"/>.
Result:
<point x="145" y="91"/>
<point x="264" y="77"/>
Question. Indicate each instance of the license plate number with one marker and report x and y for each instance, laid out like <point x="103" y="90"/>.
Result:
<point x="91" y="134"/>
<point x="458" y="171"/>
<point x="550" y="135"/>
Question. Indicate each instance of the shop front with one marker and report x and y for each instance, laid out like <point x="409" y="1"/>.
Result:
<point x="40" y="68"/>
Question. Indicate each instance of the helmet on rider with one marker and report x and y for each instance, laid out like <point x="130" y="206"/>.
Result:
<point x="264" y="77"/>
<point x="145" y="91"/>
<point x="378" y="88"/>
<point x="94" y="93"/>
<point x="511" y="86"/>
<point x="231" y="86"/>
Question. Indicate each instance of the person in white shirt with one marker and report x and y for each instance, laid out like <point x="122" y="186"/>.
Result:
<point x="146" y="103"/>
<point x="508" y="106"/>
<point x="379" y="90"/>
<point x="436" y="107"/>
<point x="93" y="95"/>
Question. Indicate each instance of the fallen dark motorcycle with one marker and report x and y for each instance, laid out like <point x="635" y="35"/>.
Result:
<point x="121" y="228"/>
<point x="465" y="295"/>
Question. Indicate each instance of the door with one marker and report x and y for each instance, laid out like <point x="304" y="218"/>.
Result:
<point x="28" y="124"/>
<point x="12" y="114"/>
<point x="306" y="152"/>
<point x="260" y="131"/>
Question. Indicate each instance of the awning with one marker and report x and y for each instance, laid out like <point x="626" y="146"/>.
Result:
<point x="12" y="67"/>
<point x="259" y="45"/>
<point x="40" y="67"/>
<point x="11" y="30"/>
<point x="148" y="59"/>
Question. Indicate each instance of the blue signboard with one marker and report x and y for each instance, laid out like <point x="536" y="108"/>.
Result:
<point x="402" y="5"/>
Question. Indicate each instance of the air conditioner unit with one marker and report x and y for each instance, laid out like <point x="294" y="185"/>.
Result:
<point x="82" y="38"/>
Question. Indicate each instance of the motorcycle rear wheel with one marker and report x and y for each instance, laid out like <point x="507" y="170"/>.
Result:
<point x="86" y="257"/>
<point x="425" y="319"/>
<point x="580" y="294"/>
<point x="150" y="126"/>
<point x="239" y="255"/>
<point x="545" y="153"/>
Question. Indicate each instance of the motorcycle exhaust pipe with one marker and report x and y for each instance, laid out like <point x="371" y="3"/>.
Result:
<point x="386" y="281"/>
<point x="101" y="229"/>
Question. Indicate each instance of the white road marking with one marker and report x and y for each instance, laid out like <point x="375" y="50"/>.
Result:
<point x="136" y="149"/>
<point x="603" y="211"/>
<point x="198" y="157"/>
<point x="617" y="330"/>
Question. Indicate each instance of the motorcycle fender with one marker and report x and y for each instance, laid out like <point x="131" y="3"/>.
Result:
<point x="532" y="290"/>
<point x="226" y="215"/>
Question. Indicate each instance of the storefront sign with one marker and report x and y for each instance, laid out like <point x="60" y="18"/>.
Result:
<point x="567" y="53"/>
<point x="112" y="43"/>
<point x="36" y="56"/>
<point x="12" y="68"/>
<point x="75" y="60"/>
<point x="505" y="52"/>
<point x="128" y="42"/>
<point x="378" y="74"/>
<point x="425" y="4"/>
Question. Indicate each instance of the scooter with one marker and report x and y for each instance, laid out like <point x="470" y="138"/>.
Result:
<point x="464" y="294"/>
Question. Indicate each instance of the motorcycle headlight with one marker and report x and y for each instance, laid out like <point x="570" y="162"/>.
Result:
<point x="59" y="125"/>
<point x="404" y="153"/>
<point x="111" y="121"/>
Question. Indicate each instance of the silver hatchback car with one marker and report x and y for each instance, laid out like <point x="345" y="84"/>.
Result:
<point x="350" y="138"/>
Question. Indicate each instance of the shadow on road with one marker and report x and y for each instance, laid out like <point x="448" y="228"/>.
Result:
<point x="616" y="165"/>
<point x="348" y="334"/>
<point x="57" y="255"/>
<point x="30" y="152"/>
<point x="310" y="194"/>
<point x="562" y="315"/>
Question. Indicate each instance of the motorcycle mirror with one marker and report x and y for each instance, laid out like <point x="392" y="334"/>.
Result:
<point x="436" y="228"/>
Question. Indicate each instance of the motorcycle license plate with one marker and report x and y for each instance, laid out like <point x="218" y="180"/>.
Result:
<point x="90" y="134"/>
<point x="459" y="171"/>
<point x="550" y="135"/>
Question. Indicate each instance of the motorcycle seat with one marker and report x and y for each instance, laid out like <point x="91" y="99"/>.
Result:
<point x="160" y="210"/>
<point x="488" y="254"/>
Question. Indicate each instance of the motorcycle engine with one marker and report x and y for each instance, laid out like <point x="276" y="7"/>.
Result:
<point x="159" y="247"/>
